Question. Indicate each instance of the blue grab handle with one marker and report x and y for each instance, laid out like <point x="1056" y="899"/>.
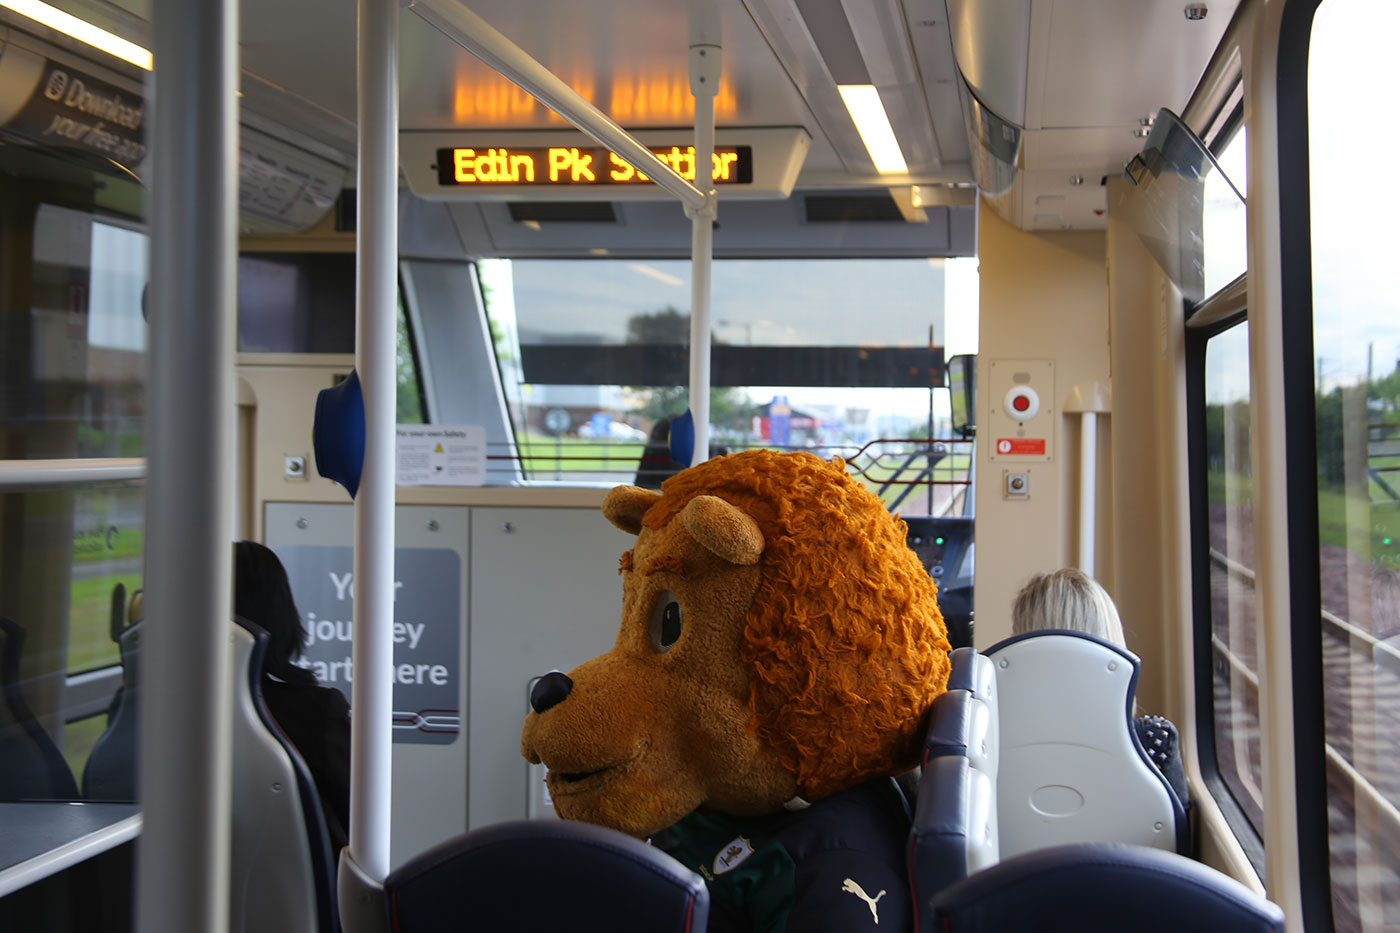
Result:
<point x="338" y="435"/>
<point x="683" y="438"/>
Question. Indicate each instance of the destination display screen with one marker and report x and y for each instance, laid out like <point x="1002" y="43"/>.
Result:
<point x="568" y="166"/>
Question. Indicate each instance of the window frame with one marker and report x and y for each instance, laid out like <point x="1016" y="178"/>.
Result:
<point x="1198" y="336"/>
<point x="1289" y="144"/>
<point x="1300" y="474"/>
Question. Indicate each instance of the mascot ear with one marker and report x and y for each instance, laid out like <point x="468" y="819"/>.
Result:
<point x="624" y="506"/>
<point x="723" y="529"/>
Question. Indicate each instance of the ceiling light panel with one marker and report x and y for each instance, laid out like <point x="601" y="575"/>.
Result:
<point x="81" y="30"/>
<point x="818" y="56"/>
<point x="873" y="124"/>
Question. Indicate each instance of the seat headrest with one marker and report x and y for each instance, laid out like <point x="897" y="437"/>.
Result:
<point x="1102" y="887"/>
<point x="573" y="876"/>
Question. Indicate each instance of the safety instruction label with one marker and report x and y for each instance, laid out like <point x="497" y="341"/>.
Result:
<point x="441" y="455"/>
<point x="1021" y="446"/>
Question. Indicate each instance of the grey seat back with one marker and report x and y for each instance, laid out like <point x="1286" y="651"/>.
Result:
<point x="110" y="772"/>
<point x="279" y="866"/>
<point x="1071" y="768"/>
<point x="34" y="768"/>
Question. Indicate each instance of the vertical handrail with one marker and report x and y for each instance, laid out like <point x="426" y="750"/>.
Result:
<point x="185" y="754"/>
<point x="704" y="82"/>
<point x="376" y="234"/>
<point x="1088" y="400"/>
<point x="1088" y="466"/>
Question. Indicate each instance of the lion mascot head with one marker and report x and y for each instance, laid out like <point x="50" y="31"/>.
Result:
<point x="778" y="640"/>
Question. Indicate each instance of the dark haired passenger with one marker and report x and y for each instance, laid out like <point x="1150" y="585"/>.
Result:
<point x="315" y="718"/>
<point x="1071" y="599"/>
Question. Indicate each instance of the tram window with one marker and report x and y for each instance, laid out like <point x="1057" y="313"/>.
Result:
<point x="108" y="548"/>
<point x="1356" y="341"/>
<point x="408" y="394"/>
<point x="1235" y="648"/>
<point x="296" y="303"/>
<point x="79" y="546"/>
<point x="73" y="387"/>
<point x="834" y="356"/>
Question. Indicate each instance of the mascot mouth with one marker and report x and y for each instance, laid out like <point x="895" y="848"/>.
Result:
<point x="569" y="783"/>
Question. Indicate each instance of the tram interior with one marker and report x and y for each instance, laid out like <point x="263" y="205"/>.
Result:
<point x="544" y="329"/>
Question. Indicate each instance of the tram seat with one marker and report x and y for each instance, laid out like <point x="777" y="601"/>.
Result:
<point x="1094" y="887"/>
<point x="533" y="876"/>
<point x="1071" y="767"/>
<point x="110" y="772"/>
<point x="954" y="831"/>
<point x="973" y="672"/>
<point x="281" y="868"/>
<point x="34" y="768"/>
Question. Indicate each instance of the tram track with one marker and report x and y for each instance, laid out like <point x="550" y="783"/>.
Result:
<point x="1361" y="681"/>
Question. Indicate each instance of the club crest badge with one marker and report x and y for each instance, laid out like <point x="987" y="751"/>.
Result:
<point x="732" y="855"/>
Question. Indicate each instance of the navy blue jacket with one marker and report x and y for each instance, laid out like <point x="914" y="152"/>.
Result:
<point x="837" y="865"/>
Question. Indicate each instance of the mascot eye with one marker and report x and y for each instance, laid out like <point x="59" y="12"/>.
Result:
<point x="665" y="622"/>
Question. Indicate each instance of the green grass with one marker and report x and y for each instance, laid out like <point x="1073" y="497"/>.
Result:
<point x="951" y="467"/>
<point x="1215" y="488"/>
<point x="1333" y="528"/>
<point x="128" y="542"/>
<point x="90" y="642"/>
<point x="544" y="456"/>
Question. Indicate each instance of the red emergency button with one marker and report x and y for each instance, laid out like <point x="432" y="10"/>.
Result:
<point x="1022" y="403"/>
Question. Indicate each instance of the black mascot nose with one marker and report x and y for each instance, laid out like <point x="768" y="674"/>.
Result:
<point x="550" y="690"/>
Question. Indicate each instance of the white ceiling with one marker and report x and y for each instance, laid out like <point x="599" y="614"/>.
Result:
<point x="1096" y="69"/>
<point x="1093" y="69"/>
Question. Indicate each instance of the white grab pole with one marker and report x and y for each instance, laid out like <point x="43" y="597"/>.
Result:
<point x="1088" y="464"/>
<point x="185" y="754"/>
<point x="704" y="82"/>
<point x="376" y="233"/>
<point x="477" y="36"/>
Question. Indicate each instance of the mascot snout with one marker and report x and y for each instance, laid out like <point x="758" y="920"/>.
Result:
<point x="637" y="738"/>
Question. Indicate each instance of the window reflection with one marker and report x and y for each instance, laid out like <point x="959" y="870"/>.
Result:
<point x="1225" y="239"/>
<point x="72" y="385"/>
<point x="1234" y="632"/>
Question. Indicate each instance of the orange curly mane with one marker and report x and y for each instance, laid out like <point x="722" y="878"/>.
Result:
<point x="845" y="645"/>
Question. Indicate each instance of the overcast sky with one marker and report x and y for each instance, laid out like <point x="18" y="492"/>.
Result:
<point x="1355" y="202"/>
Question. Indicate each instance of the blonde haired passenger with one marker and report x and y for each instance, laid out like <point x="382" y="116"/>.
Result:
<point x="1067" y="598"/>
<point x="1071" y="599"/>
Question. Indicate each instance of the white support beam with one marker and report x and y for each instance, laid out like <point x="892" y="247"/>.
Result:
<point x="704" y="83"/>
<point x="376" y="291"/>
<point x="185" y="754"/>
